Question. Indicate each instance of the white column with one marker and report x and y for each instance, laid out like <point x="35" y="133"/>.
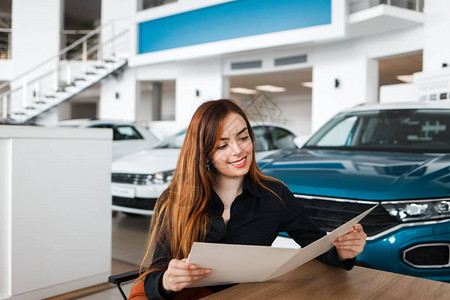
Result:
<point x="117" y="14"/>
<point x="436" y="49"/>
<point x="197" y="82"/>
<point x="36" y="29"/>
<point x="343" y="76"/>
<point x="118" y="97"/>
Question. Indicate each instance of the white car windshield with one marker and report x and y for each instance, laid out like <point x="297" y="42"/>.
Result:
<point x="174" y="141"/>
<point x="413" y="130"/>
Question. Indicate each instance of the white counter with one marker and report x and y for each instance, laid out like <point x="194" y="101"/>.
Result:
<point x="55" y="210"/>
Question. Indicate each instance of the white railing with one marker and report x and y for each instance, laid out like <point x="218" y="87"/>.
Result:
<point x="358" y="5"/>
<point x="54" y="74"/>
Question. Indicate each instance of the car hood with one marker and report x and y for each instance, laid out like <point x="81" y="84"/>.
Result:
<point x="147" y="162"/>
<point x="361" y="174"/>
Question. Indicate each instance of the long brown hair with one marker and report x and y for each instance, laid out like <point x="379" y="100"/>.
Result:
<point x="181" y="212"/>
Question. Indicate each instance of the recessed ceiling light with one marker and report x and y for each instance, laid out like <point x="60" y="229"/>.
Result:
<point x="241" y="90"/>
<point x="405" y="78"/>
<point x="270" y="88"/>
<point x="308" y="84"/>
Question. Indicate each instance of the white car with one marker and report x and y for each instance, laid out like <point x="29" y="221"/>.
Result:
<point x="128" y="137"/>
<point x="139" y="179"/>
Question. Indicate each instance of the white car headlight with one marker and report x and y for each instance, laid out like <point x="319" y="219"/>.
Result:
<point x="420" y="210"/>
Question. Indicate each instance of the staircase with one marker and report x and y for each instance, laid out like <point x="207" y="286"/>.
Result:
<point x="57" y="79"/>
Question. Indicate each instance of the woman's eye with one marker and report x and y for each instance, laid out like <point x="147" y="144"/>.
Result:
<point x="222" y="147"/>
<point x="244" y="138"/>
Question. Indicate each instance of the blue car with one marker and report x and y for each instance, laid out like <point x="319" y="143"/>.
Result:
<point x="395" y="155"/>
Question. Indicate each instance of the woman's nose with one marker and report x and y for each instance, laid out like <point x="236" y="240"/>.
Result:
<point x="236" y="148"/>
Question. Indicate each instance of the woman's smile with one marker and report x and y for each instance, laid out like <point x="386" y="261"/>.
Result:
<point x="239" y="163"/>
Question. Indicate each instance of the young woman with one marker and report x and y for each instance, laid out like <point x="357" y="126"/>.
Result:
<point x="218" y="194"/>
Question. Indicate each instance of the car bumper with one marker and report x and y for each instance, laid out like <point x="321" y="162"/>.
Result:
<point x="136" y="199"/>
<point x="386" y="252"/>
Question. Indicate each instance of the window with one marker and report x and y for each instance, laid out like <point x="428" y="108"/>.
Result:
<point x="282" y="138"/>
<point x="261" y="141"/>
<point x="126" y="133"/>
<point x="338" y="135"/>
<point x="146" y="4"/>
<point x="411" y="130"/>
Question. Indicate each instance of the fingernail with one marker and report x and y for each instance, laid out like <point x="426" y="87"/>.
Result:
<point x="207" y="271"/>
<point x="192" y="267"/>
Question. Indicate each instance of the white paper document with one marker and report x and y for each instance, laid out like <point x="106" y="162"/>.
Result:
<point x="242" y="263"/>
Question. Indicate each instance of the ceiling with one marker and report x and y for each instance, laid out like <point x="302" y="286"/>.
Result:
<point x="404" y="64"/>
<point x="389" y="68"/>
<point x="291" y="80"/>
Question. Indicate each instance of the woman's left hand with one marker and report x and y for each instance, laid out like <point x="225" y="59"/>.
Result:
<point x="351" y="244"/>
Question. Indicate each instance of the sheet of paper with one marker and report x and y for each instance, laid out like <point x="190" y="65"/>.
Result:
<point x="318" y="247"/>
<point x="237" y="263"/>
<point x="242" y="263"/>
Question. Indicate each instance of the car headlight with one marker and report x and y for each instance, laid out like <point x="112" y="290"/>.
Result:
<point x="159" y="177"/>
<point x="424" y="210"/>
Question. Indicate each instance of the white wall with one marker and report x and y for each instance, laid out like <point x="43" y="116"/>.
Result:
<point x="120" y="13"/>
<point x="405" y="92"/>
<point x="203" y="75"/>
<point x="123" y="108"/>
<point x="357" y="75"/>
<point x="36" y="29"/>
<point x="6" y="69"/>
<point x="144" y="102"/>
<point x="436" y="35"/>
<point x="296" y="112"/>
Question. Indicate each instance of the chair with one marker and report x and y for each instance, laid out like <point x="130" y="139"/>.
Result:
<point x="123" y="277"/>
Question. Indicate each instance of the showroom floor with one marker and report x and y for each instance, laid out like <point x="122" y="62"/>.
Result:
<point x="129" y="238"/>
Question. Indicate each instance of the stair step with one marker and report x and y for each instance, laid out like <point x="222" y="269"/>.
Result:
<point x="100" y="67"/>
<point x="109" y="61"/>
<point x="40" y="102"/>
<point x="50" y="96"/>
<point x="90" y="73"/>
<point x="79" y="79"/>
<point x="30" y="108"/>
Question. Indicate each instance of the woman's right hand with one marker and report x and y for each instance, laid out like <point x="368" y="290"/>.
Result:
<point x="180" y="274"/>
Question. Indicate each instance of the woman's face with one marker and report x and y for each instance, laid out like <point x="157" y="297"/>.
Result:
<point x="233" y="152"/>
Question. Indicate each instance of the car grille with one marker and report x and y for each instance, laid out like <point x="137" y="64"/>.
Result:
<point x="140" y="203"/>
<point x="138" y="179"/>
<point x="329" y="214"/>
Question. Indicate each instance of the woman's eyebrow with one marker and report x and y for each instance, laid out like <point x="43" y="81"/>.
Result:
<point x="243" y="129"/>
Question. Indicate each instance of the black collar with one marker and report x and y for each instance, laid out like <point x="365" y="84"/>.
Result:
<point x="251" y="187"/>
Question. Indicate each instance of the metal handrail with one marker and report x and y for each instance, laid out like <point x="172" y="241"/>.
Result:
<point x="93" y="49"/>
<point x="63" y="51"/>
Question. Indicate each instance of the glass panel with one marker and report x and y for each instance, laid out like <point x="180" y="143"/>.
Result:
<point x="145" y="4"/>
<point x="126" y="133"/>
<point x="388" y="130"/>
<point x="261" y="141"/>
<point x="282" y="138"/>
<point x="338" y="135"/>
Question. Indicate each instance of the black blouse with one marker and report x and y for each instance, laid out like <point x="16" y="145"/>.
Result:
<point x="256" y="218"/>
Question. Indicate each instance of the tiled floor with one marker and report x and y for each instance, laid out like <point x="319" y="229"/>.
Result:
<point x="129" y="239"/>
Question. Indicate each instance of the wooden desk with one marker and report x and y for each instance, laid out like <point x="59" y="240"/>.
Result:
<point x="315" y="280"/>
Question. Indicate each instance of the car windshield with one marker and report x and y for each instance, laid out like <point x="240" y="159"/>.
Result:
<point x="412" y="130"/>
<point x="175" y="141"/>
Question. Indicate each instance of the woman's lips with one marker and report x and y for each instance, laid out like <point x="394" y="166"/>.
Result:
<point x="239" y="163"/>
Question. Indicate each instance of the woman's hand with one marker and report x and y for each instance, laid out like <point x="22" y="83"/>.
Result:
<point x="351" y="244"/>
<point x="180" y="274"/>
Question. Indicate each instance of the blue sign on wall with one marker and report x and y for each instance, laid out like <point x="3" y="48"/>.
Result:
<point x="231" y="20"/>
